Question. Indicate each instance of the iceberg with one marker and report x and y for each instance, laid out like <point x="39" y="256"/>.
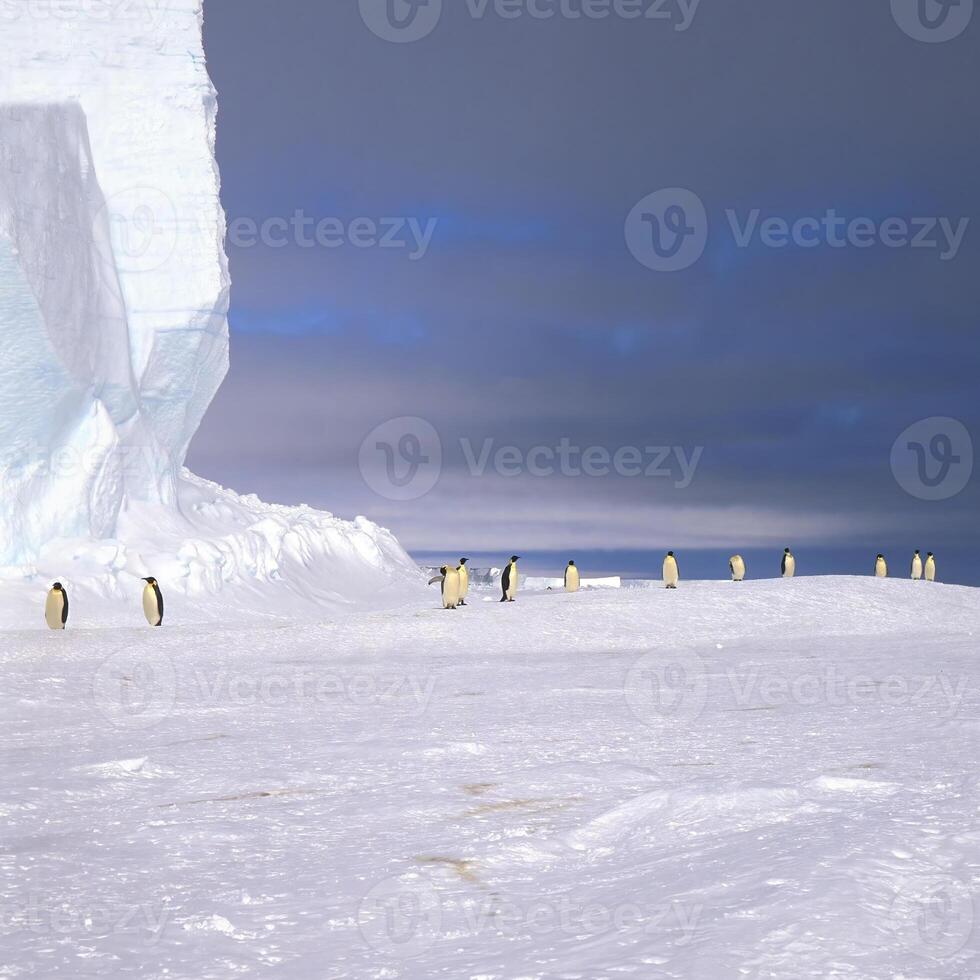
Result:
<point x="114" y="293"/>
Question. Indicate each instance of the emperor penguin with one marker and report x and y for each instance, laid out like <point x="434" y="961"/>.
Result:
<point x="153" y="602"/>
<point x="788" y="564"/>
<point x="449" y="577"/>
<point x="881" y="567"/>
<point x="56" y="607"/>
<point x="671" y="574"/>
<point x="737" y="565"/>
<point x="464" y="581"/>
<point x="916" y="566"/>
<point x="930" y="570"/>
<point x="572" y="578"/>
<point x="509" y="580"/>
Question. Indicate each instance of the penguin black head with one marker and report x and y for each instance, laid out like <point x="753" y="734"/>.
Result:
<point x="150" y="581"/>
<point x="58" y="587"/>
<point x="670" y="554"/>
<point x="916" y="550"/>
<point x="444" y="569"/>
<point x="930" y="555"/>
<point x="572" y="564"/>
<point x="463" y="561"/>
<point x="515" y="557"/>
<point x="787" y="551"/>
<point x="881" y="556"/>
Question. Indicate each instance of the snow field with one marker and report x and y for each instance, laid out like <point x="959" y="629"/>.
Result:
<point x="766" y="779"/>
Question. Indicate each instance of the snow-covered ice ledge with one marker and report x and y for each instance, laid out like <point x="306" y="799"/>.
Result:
<point x="114" y="293"/>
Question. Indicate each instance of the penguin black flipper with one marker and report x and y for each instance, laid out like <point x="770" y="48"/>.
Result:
<point x="159" y="595"/>
<point x="782" y="565"/>
<point x="64" y="608"/>
<point x="505" y="582"/>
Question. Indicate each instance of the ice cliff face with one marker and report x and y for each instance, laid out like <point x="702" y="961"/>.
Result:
<point x="113" y="279"/>
<point x="113" y="337"/>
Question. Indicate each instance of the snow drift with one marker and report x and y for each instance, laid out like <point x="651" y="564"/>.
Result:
<point x="113" y="299"/>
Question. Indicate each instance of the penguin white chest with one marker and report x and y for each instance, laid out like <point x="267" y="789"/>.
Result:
<point x="572" y="579"/>
<point x="737" y="565"/>
<point x="789" y="566"/>
<point x="671" y="574"/>
<point x="916" y="568"/>
<point x="54" y="609"/>
<point x="450" y="589"/>
<point x="151" y="606"/>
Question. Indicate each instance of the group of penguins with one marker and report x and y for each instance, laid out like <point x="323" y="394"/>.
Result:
<point x="56" y="605"/>
<point x="456" y="581"/>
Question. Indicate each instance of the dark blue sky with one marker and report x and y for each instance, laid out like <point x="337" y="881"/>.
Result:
<point x="787" y="369"/>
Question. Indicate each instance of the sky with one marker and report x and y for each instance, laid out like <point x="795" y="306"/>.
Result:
<point x="508" y="282"/>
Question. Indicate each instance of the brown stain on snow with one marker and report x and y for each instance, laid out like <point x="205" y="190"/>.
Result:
<point x="464" y="868"/>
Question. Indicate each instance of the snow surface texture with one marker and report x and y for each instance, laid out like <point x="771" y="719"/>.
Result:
<point x="113" y="299"/>
<point x="771" y="780"/>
